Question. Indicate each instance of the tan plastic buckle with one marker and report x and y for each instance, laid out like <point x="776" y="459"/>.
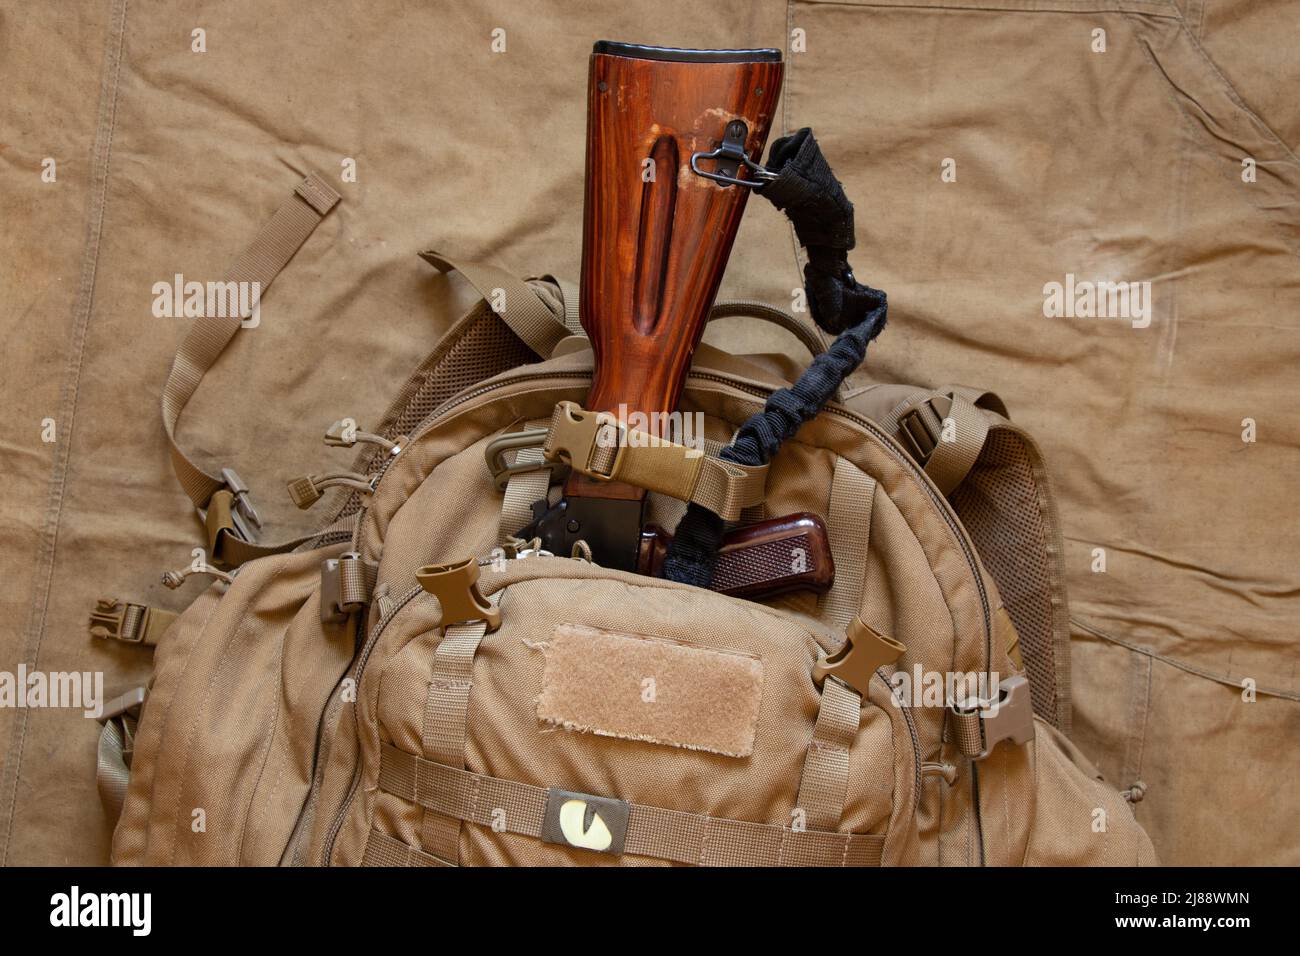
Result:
<point x="573" y="435"/>
<point x="114" y="620"/>
<point x="125" y="704"/>
<point x="916" y="432"/>
<point x="109" y="621"/>
<point x="1010" y="717"/>
<point x="455" y="586"/>
<point x="332" y="608"/>
<point x="864" y="652"/>
<point x="495" y="453"/>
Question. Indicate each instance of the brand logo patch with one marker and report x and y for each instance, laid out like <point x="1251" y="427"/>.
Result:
<point x="586" y="822"/>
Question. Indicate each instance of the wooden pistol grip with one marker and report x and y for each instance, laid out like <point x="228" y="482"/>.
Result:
<point x="657" y="236"/>
<point x="759" y="561"/>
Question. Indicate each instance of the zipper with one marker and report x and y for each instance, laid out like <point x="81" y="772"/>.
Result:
<point x="357" y="669"/>
<point x="916" y="759"/>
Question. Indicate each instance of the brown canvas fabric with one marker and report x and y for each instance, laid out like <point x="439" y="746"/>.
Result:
<point x="1122" y="165"/>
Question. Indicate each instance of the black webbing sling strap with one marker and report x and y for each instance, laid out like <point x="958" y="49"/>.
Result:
<point x="812" y="198"/>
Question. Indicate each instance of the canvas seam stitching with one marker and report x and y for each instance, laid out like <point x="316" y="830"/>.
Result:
<point x="100" y="160"/>
<point x="1180" y="665"/>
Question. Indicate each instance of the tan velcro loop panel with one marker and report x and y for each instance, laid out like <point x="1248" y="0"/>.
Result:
<point x="384" y="850"/>
<point x="703" y="698"/>
<point x="599" y="446"/>
<point x="512" y="299"/>
<point x="673" y="835"/>
<point x="261" y="262"/>
<point x="825" y="782"/>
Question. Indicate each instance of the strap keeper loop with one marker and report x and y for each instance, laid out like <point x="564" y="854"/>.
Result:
<point x="230" y="510"/>
<point x="347" y="583"/>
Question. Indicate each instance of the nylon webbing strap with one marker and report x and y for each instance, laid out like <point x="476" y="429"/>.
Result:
<point x="116" y="747"/>
<point x="849" y="530"/>
<point x="761" y="310"/>
<point x="651" y="831"/>
<point x="599" y="446"/>
<point x="512" y="299"/>
<point x="951" y="461"/>
<point x="261" y="262"/>
<point x="570" y="295"/>
<point x="825" y="781"/>
<point x="522" y="490"/>
<point x="921" y="425"/>
<point x="384" y="850"/>
<point x="446" y="711"/>
<point x="112" y="770"/>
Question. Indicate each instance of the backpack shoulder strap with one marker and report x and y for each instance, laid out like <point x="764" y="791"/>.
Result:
<point x="993" y="473"/>
<point x="222" y="499"/>
<point x="945" y="429"/>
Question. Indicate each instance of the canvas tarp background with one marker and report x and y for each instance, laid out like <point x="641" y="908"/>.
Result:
<point x="1123" y="165"/>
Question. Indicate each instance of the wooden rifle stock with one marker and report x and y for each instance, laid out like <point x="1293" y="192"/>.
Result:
<point x="656" y="234"/>
<point x="658" y="225"/>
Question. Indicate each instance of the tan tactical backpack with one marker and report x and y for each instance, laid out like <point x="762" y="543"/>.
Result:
<point x="408" y="686"/>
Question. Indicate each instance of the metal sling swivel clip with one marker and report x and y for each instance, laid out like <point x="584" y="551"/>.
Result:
<point x="730" y="157"/>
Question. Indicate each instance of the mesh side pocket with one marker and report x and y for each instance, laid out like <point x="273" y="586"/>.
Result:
<point x="1006" y="505"/>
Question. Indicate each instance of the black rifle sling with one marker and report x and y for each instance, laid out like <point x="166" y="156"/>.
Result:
<point x="812" y="198"/>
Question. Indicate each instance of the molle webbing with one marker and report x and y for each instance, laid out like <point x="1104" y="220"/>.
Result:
<point x="652" y="831"/>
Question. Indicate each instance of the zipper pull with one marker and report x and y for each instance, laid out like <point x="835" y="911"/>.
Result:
<point x="344" y="434"/>
<point x="174" y="579"/>
<point x="309" y="489"/>
<point x="946" y="770"/>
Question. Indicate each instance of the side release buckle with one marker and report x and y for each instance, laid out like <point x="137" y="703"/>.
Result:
<point x="983" y="724"/>
<point x="575" y="435"/>
<point x="455" y="586"/>
<point x="864" y="652"/>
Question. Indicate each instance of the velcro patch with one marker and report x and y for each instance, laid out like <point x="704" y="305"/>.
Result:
<point x="651" y="689"/>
